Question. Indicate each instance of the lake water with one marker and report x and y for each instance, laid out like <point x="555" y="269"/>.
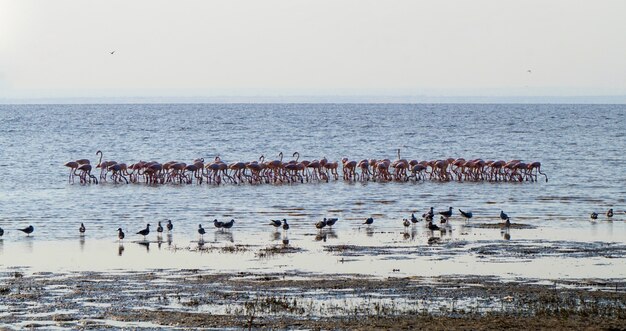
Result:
<point x="581" y="148"/>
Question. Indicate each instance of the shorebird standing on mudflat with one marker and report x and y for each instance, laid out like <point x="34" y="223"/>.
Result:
<point x="331" y="221"/>
<point x="28" y="230"/>
<point x="218" y="224"/>
<point x="447" y="213"/>
<point x="229" y="224"/>
<point x="503" y="216"/>
<point x="321" y="224"/>
<point x="466" y="214"/>
<point x="145" y="231"/>
<point x="159" y="229"/>
<point x="609" y="213"/>
<point x="201" y="232"/>
<point x="406" y="223"/>
<point x="428" y="216"/>
<point x="275" y="223"/>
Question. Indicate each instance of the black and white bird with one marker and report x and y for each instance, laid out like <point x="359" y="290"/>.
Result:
<point x="414" y="219"/>
<point x="443" y="220"/>
<point x="503" y="216"/>
<point x="159" y="228"/>
<point x="28" y="230"/>
<point x="406" y="223"/>
<point x="594" y="215"/>
<point x="120" y="234"/>
<point x="429" y="215"/>
<point x="609" y="213"/>
<point x="201" y="231"/>
<point x="466" y="214"/>
<point x="369" y="221"/>
<point x="1" y="232"/>
<point x="275" y="223"/>
<point x="447" y="213"/>
<point x="169" y="226"/>
<point x="229" y="224"/>
<point x="145" y="231"/>
<point x="285" y="225"/>
<point x="331" y="221"/>
<point x="218" y="224"/>
<point x="321" y="224"/>
<point x="82" y="228"/>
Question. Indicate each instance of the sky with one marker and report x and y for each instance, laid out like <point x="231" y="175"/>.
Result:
<point x="290" y="48"/>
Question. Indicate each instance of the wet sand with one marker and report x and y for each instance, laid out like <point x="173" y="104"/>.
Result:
<point x="200" y="299"/>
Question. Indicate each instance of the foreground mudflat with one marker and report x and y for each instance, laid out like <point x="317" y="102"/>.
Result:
<point x="197" y="298"/>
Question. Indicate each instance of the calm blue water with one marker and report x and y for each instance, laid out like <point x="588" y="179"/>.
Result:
<point x="581" y="148"/>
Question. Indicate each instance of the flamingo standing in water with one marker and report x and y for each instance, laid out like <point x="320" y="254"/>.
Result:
<point x="73" y="166"/>
<point x="536" y="166"/>
<point x="85" y="174"/>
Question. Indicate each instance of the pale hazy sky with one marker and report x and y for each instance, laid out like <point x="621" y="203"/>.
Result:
<point x="292" y="47"/>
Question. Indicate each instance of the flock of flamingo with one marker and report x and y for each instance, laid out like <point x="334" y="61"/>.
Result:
<point x="296" y="170"/>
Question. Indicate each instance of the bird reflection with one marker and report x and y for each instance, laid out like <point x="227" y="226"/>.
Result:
<point x="28" y="243"/>
<point x="81" y="241"/>
<point x="200" y="244"/>
<point x="146" y="244"/>
<point x="223" y="236"/>
<point x="275" y="236"/>
<point x="369" y="232"/>
<point x="120" y="249"/>
<point x="325" y="234"/>
<point x="321" y="236"/>
<point x="505" y="233"/>
<point x="169" y="239"/>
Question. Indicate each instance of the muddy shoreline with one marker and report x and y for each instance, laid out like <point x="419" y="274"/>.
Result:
<point x="189" y="298"/>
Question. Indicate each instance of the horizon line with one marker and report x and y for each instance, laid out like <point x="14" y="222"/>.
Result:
<point x="325" y="99"/>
